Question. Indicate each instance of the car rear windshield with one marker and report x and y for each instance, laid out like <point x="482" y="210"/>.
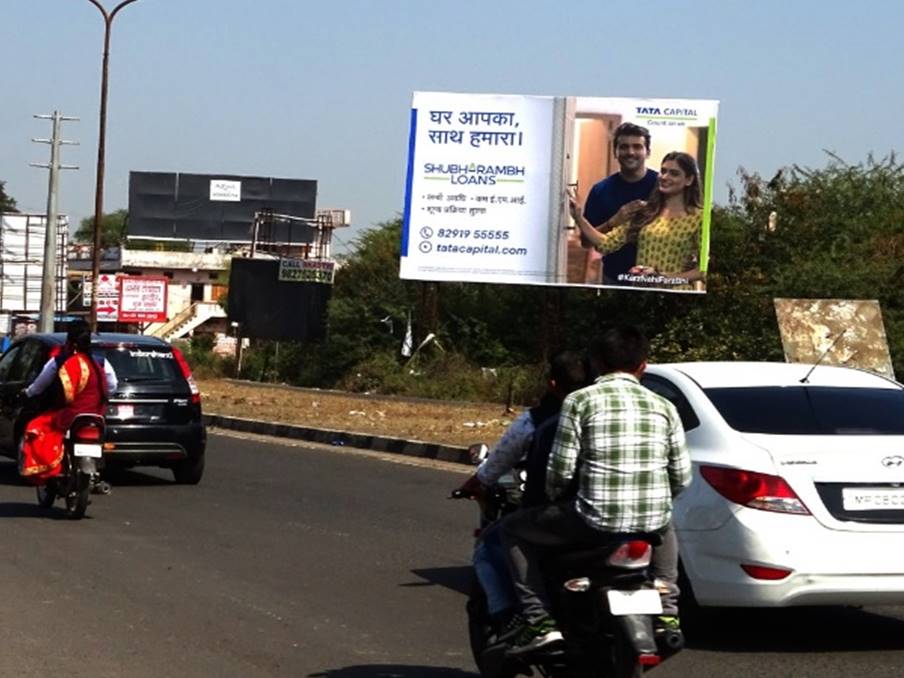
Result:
<point x="811" y="410"/>
<point x="140" y="364"/>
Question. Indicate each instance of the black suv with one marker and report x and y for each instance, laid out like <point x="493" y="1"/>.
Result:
<point x="153" y="419"/>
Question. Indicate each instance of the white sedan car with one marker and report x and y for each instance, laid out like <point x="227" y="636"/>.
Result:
<point x="798" y="490"/>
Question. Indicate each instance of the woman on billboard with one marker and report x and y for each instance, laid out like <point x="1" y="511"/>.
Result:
<point x="666" y="229"/>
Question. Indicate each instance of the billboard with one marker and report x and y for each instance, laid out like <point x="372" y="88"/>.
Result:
<point x="142" y="299"/>
<point x="534" y="190"/>
<point x="167" y="205"/>
<point x="268" y="307"/>
<point x="847" y="332"/>
<point x="107" y="297"/>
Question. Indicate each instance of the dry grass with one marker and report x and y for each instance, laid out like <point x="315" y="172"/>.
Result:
<point x="427" y="420"/>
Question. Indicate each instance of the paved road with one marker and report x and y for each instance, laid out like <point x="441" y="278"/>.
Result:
<point x="305" y="561"/>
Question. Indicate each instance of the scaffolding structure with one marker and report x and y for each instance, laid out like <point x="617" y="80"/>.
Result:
<point x="262" y="236"/>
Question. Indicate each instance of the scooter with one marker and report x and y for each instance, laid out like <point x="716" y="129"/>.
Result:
<point x="602" y="598"/>
<point x="82" y="452"/>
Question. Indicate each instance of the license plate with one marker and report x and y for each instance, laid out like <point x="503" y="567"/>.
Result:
<point x="125" y="411"/>
<point x="641" y="601"/>
<point x="872" y="498"/>
<point x="86" y="450"/>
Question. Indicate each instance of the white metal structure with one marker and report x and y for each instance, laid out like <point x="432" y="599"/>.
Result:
<point x="22" y="262"/>
<point x="798" y="490"/>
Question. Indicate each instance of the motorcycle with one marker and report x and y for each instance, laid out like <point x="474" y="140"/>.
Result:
<point x="82" y="452"/>
<point x="602" y="599"/>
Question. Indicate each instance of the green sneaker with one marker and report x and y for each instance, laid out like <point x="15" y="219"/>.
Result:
<point x="534" y="637"/>
<point x="667" y="622"/>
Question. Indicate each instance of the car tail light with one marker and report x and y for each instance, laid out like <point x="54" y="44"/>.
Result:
<point x="186" y="372"/>
<point x="89" y="433"/>
<point x="754" y="490"/>
<point x="762" y="572"/>
<point x="631" y="554"/>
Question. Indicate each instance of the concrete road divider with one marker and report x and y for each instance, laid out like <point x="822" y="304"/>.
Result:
<point x="364" y="441"/>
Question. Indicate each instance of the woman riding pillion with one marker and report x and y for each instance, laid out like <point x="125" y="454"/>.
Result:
<point x="86" y="383"/>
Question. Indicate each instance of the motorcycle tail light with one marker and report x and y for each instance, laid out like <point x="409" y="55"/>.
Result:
<point x="754" y="490"/>
<point x="631" y="554"/>
<point x="87" y="434"/>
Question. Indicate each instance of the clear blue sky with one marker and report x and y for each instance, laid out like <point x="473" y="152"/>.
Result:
<point x="321" y="90"/>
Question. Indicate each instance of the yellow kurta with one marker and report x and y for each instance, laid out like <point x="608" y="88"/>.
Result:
<point x="668" y="244"/>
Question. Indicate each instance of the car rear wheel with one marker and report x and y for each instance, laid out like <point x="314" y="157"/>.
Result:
<point x="189" y="471"/>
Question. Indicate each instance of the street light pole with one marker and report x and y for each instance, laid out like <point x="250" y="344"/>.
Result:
<point x="101" y="150"/>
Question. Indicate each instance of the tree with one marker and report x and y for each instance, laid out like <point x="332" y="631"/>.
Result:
<point x="113" y="229"/>
<point x="7" y="203"/>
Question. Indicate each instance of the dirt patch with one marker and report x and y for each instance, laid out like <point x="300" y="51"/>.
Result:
<point x="412" y="419"/>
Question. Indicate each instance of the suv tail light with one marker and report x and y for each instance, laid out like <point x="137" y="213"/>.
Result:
<point x="754" y="490"/>
<point x="186" y="372"/>
<point x="631" y="555"/>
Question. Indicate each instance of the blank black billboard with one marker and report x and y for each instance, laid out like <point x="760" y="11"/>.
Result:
<point x="268" y="308"/>
<point x="217" y="206"/>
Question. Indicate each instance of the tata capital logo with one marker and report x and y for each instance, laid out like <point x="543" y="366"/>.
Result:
<point x="893" y="462"/>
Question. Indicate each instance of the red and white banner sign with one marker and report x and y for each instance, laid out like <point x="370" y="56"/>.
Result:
<point x="108" y="297"/>
<point x="108" y="285"/>
<point x="142" y="299"/>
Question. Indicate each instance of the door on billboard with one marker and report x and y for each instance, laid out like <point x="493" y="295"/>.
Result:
<point x="593" y="162"/>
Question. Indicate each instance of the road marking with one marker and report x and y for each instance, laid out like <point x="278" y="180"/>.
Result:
<point x="402" y="459"/>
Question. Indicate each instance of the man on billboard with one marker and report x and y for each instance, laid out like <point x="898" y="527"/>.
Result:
<point x="616" y="199"/>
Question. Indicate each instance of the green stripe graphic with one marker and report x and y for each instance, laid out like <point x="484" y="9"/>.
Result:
<point x="708" y="195"/>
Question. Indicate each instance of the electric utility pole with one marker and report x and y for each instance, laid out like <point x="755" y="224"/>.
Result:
<point x="48" y="281"/>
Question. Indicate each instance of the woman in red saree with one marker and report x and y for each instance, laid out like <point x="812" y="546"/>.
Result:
<point x="82" y="382"/>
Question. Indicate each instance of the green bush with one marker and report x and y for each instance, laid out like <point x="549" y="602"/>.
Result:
<point x="204" y="363"/>
<point x="444" y="376"/>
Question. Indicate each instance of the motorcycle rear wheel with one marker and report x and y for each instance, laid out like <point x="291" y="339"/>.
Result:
<point x="624" y="658"/>
<point x="479" y="632"/>
<point x="78" y="497"/>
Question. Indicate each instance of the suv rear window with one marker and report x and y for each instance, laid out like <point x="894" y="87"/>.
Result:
<point x="136" y="364"/>
<point x="811" y="410"/>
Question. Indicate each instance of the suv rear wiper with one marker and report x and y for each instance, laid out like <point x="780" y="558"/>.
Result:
<point x="135" y="380"/>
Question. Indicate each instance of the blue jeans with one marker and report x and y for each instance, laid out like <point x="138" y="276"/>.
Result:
<point x="492" y="571"/>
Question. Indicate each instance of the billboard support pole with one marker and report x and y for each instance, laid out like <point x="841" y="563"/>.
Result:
<point x="255" y="230"/>
<point x="239" y="352"/>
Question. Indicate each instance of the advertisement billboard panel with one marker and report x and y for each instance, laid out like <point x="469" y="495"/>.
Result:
<point x="142" y="299"/>
<point x="212" y="207"/>
<point x="847" y="332"/>
<point x="269" y="307"/>
<point x="551" y="191"/>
